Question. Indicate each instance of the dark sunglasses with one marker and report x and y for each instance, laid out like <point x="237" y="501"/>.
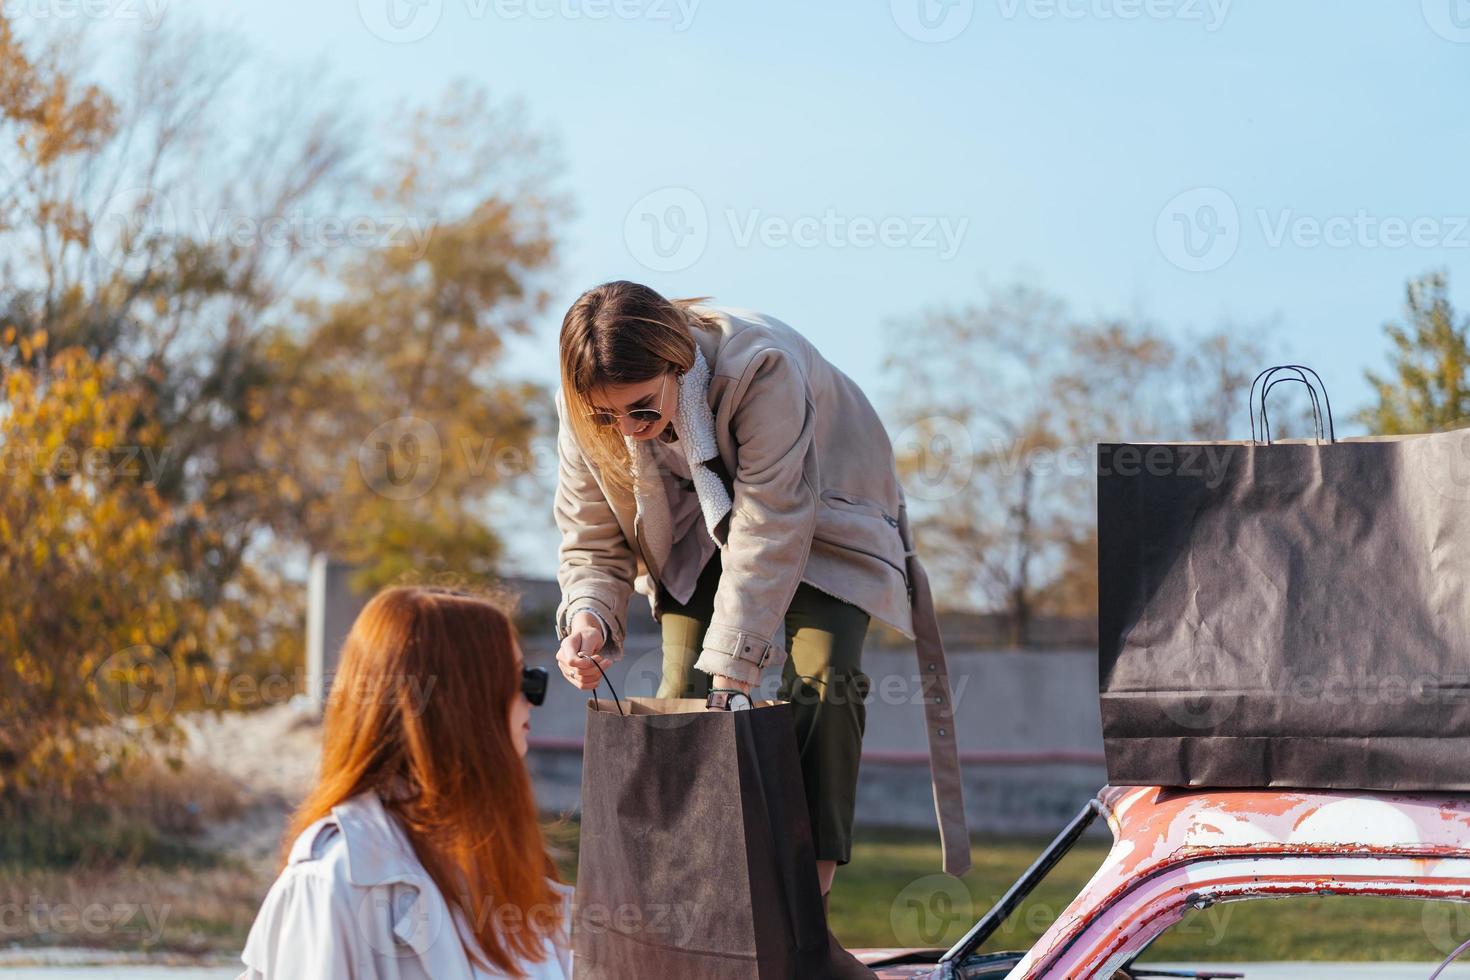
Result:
<point x="642" y="416"/>
<point x="533" y="684"/>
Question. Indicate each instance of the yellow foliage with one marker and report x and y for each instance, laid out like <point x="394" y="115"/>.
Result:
<point x="97" y="573"/>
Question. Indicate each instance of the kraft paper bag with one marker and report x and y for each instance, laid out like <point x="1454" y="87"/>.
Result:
<point x="696" y="854"/>
<point x="1295" y="614"/>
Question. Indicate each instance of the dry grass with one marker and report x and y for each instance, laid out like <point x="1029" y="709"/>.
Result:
<point x="134" y="862"/>
<point x="195" y="910"/>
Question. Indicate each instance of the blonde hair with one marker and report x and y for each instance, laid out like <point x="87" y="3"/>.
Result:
<point x="621" y="333"/>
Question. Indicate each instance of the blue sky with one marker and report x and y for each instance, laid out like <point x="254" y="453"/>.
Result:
<point x="1319" y="147"/>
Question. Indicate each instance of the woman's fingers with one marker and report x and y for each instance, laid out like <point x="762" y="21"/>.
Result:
<point x="579" y="670"/>
<point x="591" y="640"/>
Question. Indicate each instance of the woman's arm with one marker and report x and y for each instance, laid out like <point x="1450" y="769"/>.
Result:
<point x="771" y="523"/>
<point x="596" y="566"/>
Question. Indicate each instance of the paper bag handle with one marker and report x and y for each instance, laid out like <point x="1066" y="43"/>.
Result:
<point x="607" y="682"/>
<point x="1301" y="377"/>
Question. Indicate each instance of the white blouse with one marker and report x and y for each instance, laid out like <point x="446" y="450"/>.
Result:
<point x="354" y="901"/>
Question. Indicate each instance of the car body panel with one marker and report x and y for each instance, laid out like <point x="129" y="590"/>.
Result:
<point x="1175" y="850"/>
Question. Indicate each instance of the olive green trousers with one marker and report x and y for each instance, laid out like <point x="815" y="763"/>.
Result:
<point x="823" y="680"/>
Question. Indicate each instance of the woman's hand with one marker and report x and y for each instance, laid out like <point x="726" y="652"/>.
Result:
<point x="585" y="637"/>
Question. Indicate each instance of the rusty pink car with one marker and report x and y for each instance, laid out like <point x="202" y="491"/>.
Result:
<point x="1178" y="850"/>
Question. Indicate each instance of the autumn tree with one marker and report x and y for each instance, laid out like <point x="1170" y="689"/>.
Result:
<point x="251" y="277"/>
<point x="999" y="405"/>
<point x="1428" y="389"/>
<point x="79" y="649"/>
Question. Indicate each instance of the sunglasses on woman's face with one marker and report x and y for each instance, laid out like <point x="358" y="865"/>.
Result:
<point x="643" y="416"/>
<point x="533" y="684"/>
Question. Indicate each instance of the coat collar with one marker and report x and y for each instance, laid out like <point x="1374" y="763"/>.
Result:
<point x="708" y="341"/>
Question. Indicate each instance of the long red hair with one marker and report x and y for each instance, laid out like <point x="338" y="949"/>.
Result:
<point x="419" y="711"/>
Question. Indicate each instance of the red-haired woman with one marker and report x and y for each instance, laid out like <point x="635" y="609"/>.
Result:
<point x="419" y="853"/>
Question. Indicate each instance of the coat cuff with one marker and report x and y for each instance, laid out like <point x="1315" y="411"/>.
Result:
<point x="612" y="640"/>
<point x="738" y="655"/>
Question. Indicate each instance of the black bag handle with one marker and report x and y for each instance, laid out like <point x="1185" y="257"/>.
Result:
<point x="1301" y="376"/>
<point x="605" y="681"/>
<point x="1270" y="381"/>
<point x="1311" y="393"/>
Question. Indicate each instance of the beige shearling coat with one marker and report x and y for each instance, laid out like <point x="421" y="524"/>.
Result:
<point x="816" y="498"/>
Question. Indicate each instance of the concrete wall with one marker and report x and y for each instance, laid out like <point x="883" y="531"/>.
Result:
<point x="1029" y="731"/>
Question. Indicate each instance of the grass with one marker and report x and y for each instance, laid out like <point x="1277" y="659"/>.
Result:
<point x="887" y="897"/>
<point x="890" y="895"/>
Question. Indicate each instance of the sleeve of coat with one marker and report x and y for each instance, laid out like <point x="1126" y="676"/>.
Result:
<point x="771" y="522"/>
<point x="305" y="930"/>
<point x="596" y="565"/>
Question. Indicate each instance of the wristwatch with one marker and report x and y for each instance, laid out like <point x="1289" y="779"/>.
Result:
<point x="727" y="699"/>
